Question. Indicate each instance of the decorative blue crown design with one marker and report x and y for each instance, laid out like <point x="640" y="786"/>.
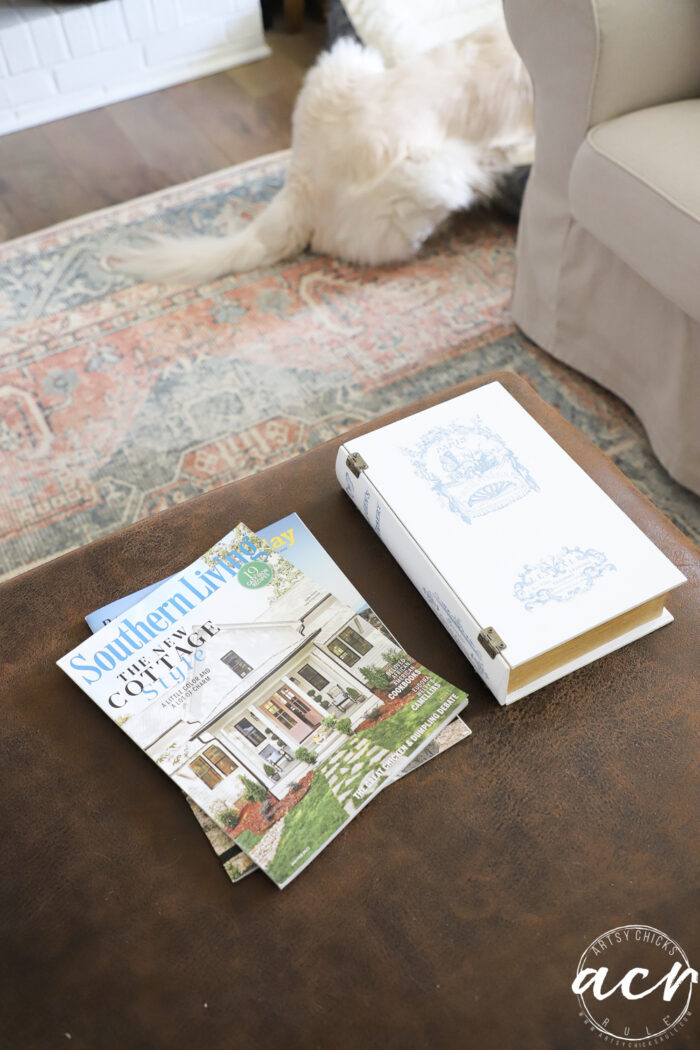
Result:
<point x="561" y="576"/>
<point x="471" y="469"/>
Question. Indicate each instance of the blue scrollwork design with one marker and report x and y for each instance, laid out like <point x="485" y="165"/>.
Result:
<point x="561" y="576"/>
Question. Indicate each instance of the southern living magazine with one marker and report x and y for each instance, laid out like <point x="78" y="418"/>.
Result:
<point x="214" y="675"/>
<point x="291" y="537"/>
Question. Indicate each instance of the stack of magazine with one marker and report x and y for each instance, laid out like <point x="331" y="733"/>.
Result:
<point x="264" y="686"/>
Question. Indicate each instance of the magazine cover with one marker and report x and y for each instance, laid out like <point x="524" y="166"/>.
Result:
<point x="291" y="537"/>
<point x="288" y="536"/>
<point x="221" y="677"/>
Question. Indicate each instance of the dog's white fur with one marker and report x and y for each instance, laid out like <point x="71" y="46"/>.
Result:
<point x="380" y="156"/>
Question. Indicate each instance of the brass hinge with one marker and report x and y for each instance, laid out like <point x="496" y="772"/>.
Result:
<point x="491" y="641"/>
<point x="355" y="463"/>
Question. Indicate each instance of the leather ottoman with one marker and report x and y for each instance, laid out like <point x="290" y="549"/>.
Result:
<point x="452" y="912"/>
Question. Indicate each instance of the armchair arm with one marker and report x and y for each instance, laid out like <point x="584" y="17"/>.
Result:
<point x="648" y="53"/>
<point x="592" y="60"/>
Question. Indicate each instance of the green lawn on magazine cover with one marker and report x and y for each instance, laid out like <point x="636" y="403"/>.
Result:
<point x="367" y="749"/>
<point x="321" y="812"/>
<point x="247" y="839"/>
<point x="306" y="827"/>
<point x="392" y="732"/>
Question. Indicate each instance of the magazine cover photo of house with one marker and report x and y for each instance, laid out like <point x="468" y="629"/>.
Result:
<point x="278" y="709"/>
<point x="285" y="690"/>
<point x="291" y="538"/>
<point x="302" y="705"/>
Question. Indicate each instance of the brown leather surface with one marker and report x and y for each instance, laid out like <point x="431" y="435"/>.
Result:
<point x="452" y="911"/>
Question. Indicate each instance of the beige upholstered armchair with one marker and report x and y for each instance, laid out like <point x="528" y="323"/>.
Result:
<point x="608" y="259"/>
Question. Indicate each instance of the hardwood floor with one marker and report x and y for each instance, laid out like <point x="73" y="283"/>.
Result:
<point x="89" y="161"/>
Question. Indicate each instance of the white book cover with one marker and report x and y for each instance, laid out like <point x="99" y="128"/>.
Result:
<point x="498" y="526"/>
<point x="219" y="676"/>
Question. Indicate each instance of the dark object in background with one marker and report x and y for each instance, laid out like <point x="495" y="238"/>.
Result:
<point x="508" y="197"/>
<point x="338" y="24"/>
<point x="290" y="13"/>
<point x="270" y="10"/>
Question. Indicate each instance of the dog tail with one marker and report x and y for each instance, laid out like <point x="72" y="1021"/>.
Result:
<point x="280" y="230"/>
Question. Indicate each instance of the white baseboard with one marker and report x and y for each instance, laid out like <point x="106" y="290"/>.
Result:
<point x="52" y="67"/>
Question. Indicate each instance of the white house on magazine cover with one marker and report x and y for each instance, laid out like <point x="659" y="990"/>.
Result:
<point x="271" y="683"/>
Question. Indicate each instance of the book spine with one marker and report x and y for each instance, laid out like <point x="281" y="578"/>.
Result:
<point x="452" y="613"/>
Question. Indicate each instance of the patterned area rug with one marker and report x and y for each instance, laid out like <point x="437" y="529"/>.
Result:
<point x="119" y="399"/>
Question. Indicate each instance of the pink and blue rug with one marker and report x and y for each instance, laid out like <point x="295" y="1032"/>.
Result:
<point x="119" y="399"/>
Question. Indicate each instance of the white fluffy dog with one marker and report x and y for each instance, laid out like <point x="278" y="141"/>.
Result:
<point x="380" y="156"/>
